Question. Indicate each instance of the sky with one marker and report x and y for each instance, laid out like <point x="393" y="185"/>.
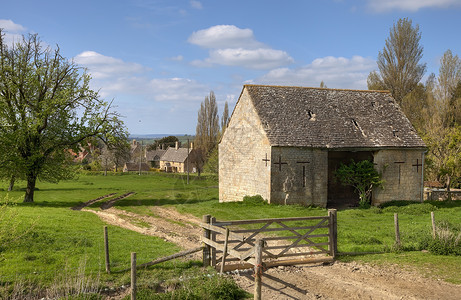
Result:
<point x="157" y="60"/>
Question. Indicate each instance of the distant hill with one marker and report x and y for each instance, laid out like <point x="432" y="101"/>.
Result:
<point x="150" y="138"/>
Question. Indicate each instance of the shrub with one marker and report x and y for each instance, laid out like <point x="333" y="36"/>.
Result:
<point x="447" y="240"/>
<point x="254" y="200"/>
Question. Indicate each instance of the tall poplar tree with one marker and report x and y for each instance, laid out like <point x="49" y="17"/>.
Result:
<point x="399" y="64"/>
<point x="207" y="130"/>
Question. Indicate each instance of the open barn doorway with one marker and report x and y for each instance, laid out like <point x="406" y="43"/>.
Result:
<point x="340" y="196"/>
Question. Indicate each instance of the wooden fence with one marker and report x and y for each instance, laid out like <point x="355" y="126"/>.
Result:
<point x="302" y="239"/>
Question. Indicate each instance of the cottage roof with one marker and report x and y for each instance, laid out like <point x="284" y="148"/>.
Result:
<point x="175" y="155"/>
<point x="154" y="155"/>
<point x="331" y="118"/>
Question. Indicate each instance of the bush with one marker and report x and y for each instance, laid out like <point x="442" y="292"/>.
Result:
<point x="254" y="200"/>
<point x="447" y="240"/>
<point x="415" y="209"/>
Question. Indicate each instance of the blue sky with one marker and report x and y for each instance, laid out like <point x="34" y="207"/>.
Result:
<point x="158" y="59"/>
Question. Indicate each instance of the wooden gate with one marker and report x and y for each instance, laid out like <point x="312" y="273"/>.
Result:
<point x="301" y="239"/>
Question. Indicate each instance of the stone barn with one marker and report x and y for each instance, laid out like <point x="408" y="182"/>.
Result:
<point x="285" y="143"/>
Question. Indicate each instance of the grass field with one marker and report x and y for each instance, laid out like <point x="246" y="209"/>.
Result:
<point x="56" y="238"/>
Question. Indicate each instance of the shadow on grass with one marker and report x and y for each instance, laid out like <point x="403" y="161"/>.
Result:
<point x="438" y="204"/>
<point x="55" y="204"/>
<point x="159" y="202"/>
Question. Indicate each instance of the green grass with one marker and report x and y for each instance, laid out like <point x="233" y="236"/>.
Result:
<point x="57" y="240"/>
<point x="63" y="238"/>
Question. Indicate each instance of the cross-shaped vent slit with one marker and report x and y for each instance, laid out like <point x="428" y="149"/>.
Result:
<point x="309" y="114"/>
<point x="355" y="123"/>
<point x="394" y="132"/>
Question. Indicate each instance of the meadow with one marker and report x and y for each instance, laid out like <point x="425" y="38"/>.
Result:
<point x="47" y="239"/>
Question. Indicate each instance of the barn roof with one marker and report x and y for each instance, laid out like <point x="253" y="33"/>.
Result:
<point x="154" y="155"/>
<point x="175" y="155"/>
<point x="331" y="118"/>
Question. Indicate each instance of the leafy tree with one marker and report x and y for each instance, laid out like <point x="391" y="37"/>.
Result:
<point x="398" y="63"/>
<point x="362" y="176"/>
<point x="207" y="130"/>
<point x="445" y="153"/>
<point x="449" y="75"/>
<point x="46" y="108"/>
<point x="168" y="141"/>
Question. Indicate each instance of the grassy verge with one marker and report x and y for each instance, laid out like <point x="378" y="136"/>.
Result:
<point x="60" y="252"/>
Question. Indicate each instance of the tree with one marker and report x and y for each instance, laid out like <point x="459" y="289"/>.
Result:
<point x="449" y="75"/>
<point x="225" y="118"/>
<point x="207" y="130"/>
<point x="362" y="176"/>
<point x="47" y="108"/>
<point x="445" y="153"/>
<point x="168" y="141"/>
<point x="398" y="63"/>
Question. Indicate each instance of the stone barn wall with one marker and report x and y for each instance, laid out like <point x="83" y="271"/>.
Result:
<point x="301" y="178"/>
<point x="244" y="145"/>
<point x="401" y="171"/>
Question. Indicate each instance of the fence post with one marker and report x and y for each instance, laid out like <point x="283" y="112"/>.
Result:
<point x="397" y="231"/>
<point x="258" y="268"/>
<point x="213" y="238"/>
<point x="333" y="232"/>
<point x="133" y="275"/>
<point x="206" y="248"/>
<point x="224" y="254"/>
<point x="433" y="224"/>
<point x="106" y="249"/>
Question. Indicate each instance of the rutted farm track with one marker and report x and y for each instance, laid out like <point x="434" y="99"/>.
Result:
<point x="337" y="281"/>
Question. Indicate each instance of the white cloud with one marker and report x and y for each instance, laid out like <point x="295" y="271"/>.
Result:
<point x="177" y="58"/>
<point x="224" y="36"/>
<point x="410" y="5"/>
<point x="196" y="4"/>
<point x="101" y="66"/>
<point x="12" y="31"/>
<point x="233" y="46"/>
<point x="336" y="72"/>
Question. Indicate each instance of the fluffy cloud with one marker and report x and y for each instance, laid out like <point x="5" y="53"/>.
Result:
<point x="101" y="66"/>
<point x="12" y="30"/>
<point x="335" y="72"/>
<point x="410" y="5"/>
<point x="233" y="46"/>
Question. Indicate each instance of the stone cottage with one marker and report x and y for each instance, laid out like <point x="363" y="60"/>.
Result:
<point x="285" y="143"/>
<point x="178" y="160"/>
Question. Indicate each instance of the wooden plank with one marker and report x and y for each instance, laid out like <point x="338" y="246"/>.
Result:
<point x="232" y="234"/>
<point x="223" y="262"/>
<point x="206" y="249"/>
<point x="280" y="229"/>
<point x="290" y="262"/>
<point x="229" y="251"/>
<point x="213" y="237"/>
<point x="254" y="221"/>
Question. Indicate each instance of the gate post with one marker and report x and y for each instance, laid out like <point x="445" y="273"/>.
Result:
<point x="333" y="232"/>
<point x="258" y="268"/>
<point x="206" y="249"/>
<point x="213" y="238"/>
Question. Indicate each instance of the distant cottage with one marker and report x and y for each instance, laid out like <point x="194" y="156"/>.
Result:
<point x="178" y="160"/>
<point x="285" y="143"/>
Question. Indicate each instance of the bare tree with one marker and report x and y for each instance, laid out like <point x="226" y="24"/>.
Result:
<point x="398" y="63"/>
<point x="207" y="130"/>
<point x="449" y="75"/>
<point x="225" y="118"/>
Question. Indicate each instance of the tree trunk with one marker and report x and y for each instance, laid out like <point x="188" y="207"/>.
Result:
<point x="29" y="197"/>
<point x="448" y="187"/>
<point x="11" y="186"/>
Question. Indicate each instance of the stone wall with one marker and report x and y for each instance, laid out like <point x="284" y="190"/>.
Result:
<point x="401" y="171"/>
<point x="299" y="176"/>
<point x="243" y="149"/>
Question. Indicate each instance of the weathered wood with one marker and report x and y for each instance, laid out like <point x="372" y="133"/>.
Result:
<point x="433" y="225"/>
<point x="206" y="249"/>
<point x="287" y="262"/>
<point x="397" y="231"/>
<point x="279" y="229"/>
<point x="133" y="275"/>
<point x="213" y="238"/>
<point x="106" y="249"/>
<point x="239" y="255"/>
<point x="255" y="221"/>
<point x="223" y="261"/>
<point x="233" y="235"/>
<point x="258" y="268"/>
<point x="332" y="231"/>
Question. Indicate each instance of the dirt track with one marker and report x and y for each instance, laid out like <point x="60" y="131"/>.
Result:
<point x="337" y="281"/>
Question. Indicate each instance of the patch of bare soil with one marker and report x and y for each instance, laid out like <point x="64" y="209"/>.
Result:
<point x="88" y="203"/>
<point x="337" y="281"/>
